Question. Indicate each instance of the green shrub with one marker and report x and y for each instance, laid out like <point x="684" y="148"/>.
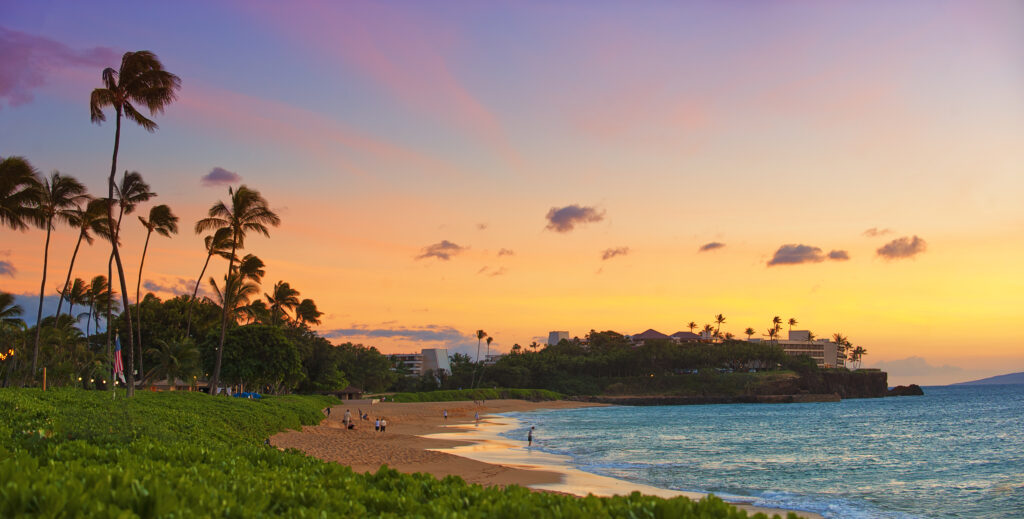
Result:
<point x="73" y="453"/>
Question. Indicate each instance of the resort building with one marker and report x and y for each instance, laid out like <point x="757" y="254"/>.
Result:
<point x="678" y="337"/>
<point x="824" y="352"/>
<point x="433" y="360"/>
<point x="411" y="362"/>
<point x="556" y="337"/>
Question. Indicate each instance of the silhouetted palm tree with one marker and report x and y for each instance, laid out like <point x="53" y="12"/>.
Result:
<point x="480" y="334"/>
<point x="772" y="333"/>
<point x="248" y="212"/>
<point x="810" y="336"/>
<point x="282" y="299"/>
<point x="857" y="355"/>
<point x="792" y="323"/>
<point x="97" y="291"/>
<point x="708" y="331"/>
<point x="534" y="346"/>
<point x="18" y="194"/>
<point x="10" y="313"/>
<point x="692" y="325"/>
<point x="239" y="291"/>
<point x="307" y="312"/>
<point x="141" y="80"/>
<point x="218" y="243"/>
<point x="720" y="318"/>
<point x="163" y="222"/>
<point x="77" y="293"/>
<point x="91" y="219"/>
<point x="57" y="197"/>
<point x="750" y="332"/>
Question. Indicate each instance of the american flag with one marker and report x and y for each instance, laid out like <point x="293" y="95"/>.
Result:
<point x="118" y="365"/>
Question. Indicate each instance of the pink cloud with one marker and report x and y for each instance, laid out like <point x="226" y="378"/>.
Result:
<point x="402" y="54"/>
<point x="27" y="61"/>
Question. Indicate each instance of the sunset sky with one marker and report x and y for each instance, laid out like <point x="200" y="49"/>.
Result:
<point x="521" y="167"/>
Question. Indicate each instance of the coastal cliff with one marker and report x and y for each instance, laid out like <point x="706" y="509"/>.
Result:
<point x="847" y="384"/>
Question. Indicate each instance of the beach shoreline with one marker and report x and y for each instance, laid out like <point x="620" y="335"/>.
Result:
<point x="419" y="439"/>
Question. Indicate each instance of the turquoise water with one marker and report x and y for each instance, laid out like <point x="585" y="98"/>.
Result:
<point x="955" y="452"/>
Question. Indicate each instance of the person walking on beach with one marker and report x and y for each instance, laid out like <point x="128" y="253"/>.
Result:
<point x="529" y="437"/>
<point x="477" y="416"/>
<point x="328" y="411"/>
<point x="376" y="425"/>
<point x="445" y="415"/>
<point x="383" y="424"/>
<point x="348" y="418"/>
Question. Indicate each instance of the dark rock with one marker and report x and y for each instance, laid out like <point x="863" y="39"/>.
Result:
<point x="911" y="390"/>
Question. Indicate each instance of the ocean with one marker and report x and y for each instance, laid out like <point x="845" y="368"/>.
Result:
<point x="957" y="451"/>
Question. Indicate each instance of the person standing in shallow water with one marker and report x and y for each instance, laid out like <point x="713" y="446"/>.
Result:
<point x="529" y="437"/>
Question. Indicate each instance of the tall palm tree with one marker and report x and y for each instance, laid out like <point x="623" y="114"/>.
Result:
<point x="749" y="332"/>
<point x="77" y="293"/>
<point x="96" y="292"/>
<point x="218" y="243"/>
<point x="91" y="219"/>
<point x="720" y="318"/>
<point x="857" y="355"/>
<point x="773" y="332"/>
<point x="248" y="212"/>
<point x="18" y="194"/>
<point x="282" y="299"/>
<point x="792" y="323"/>
<point x="692" y="325"/>
<point x="480" y="334"/>
<point x="163" y="222"/>
<point x="141" y="80"/>
<point x="235" y="297"/>
<point x="58" y="196"/>
<point x="307" y="313"/>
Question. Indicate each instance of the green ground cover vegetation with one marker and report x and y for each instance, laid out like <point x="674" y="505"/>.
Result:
<point x="75" y="453"/>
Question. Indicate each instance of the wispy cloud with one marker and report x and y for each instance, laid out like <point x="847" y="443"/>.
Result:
<point x="500" y="271"/>
<point x="793" y="254"/>
<point x="506" y="252"/>
<point x="219" y="176"/>
<point x="177" y="286"/>
<point x="7" y="269"/>
<point x="428" y="333"/>
<point x="443" y="250"/>
<point x="481" y="226"/>
<point x="711" y="246"/>
<point x="875" y="231"/>
<point x="27" y="61"/>
<point x="565" y="219"/>
<point x="905" y="247"/>
<point x="612" y="252"/>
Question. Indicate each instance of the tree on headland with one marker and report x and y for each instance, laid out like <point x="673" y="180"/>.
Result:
<point x="792" y="323"/>
<point x="141" y="80"/>
<point x="56" y="198"/>
<point x="162" y="221"/>
<point x="857" y="355"/>
<point x="90" y="219"/>
<point x="749" y="332"/>
<point x="248" y="212"/>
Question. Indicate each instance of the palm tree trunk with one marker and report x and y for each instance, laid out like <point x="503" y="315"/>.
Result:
<point x="138" y="287"/>
<point x="67" y="281"/>
<point x="117" y="259"/>
<point x="224" y="316"/>
<point x="42" y="290"/>
<point x="188" y="325"/>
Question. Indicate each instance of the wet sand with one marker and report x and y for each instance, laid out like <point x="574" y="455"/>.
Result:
<point x="418" y="439"/>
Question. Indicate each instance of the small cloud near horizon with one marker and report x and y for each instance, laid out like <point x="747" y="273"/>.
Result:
<point x="415" y="336"/>
<point x="219" y="176"/>
<point x="443" y="250"/>
<point x="496" y="272"/>
<point x="612" y="252"/>
<point x="178" y="287"/>
<point x="905" y="247"/>
<point x="793" y="254"/>
<point x="875" y="231"/>
<point x="7" y="269"/>
<point x="481" y="226"/>
<point x="506" y="252"/>
<point x="711" y="246"/>
<point x="566" y="218"/>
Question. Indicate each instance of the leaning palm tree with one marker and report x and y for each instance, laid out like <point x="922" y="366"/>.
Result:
<point x="248" y="212"/>
<point x="77" y="293"/>
<point x="57" y="197"/>
<point x="218" y="243"/>
<point x="91" y="219"/>
<point x="307" y="313"/>
<point x="96" y="291"/>
<point x="691" y="326"/>
<point x="749" y="332"/>
<point x="720" y="318"/>
<point x="18" y="196"/>
<point x="163" y="222"/>
<point x="282" y="299"/>
<point x="792" y="323"/>
<point x="141" y="80"/>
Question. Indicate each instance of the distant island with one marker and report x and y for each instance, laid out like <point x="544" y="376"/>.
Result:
<point x="1009" y="378"/>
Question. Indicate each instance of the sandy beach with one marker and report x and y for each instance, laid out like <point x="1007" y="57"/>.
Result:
<point x="419" y="439"/>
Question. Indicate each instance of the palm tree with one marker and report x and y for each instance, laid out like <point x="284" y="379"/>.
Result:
<point x="749" y="332"/>
<point x="257" y="311"/>
<point x="248" y="212"/>
<point x="282" y="299"/>
<point x="792" y="323"/>
<point x="141" y="80"/>
<point x="857" y="355"/>
<point x="17" y="192"/>
<point x="841" y="342"/>
<point x="93" y="218"/>
<point x="175" y="359"/>
<point x="77" y="293"/>
<point x="10" y="317"/>
<point x="772" y="333"/>
<point x="57" y="196"/>
<point x="810" y="336"/>
<point x="235" y="299"/>
<point x="719" y="319"/>
<point x="708" y="330"/>
<point x="218" y="243"/>
<point x="692" y="325"/>
<point x="165" y="223"/>
<point x="307" y="313"/>
<point x="480" y="334"/>
<point x="95" y="293"/>
<point x="489" y="341"/>
<point x="534" y="346"/>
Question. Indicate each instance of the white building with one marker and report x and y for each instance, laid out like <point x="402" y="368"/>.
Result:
<point x="433" y="360"/>
<point x="824" y="352"/>
<point x="556" y="337"/>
